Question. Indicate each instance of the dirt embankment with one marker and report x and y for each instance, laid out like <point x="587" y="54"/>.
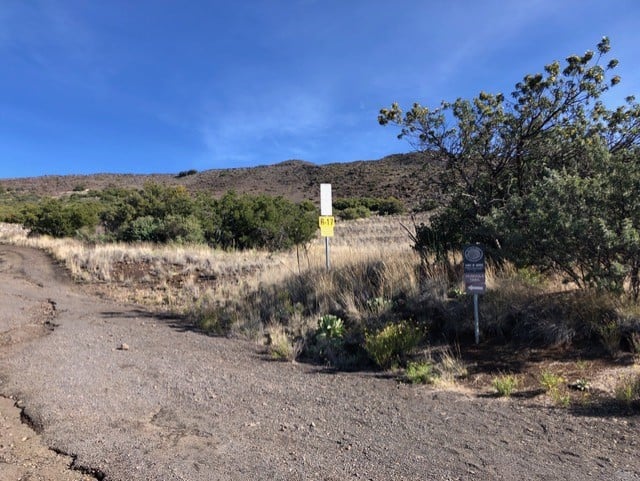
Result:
<point x="174" y="404"/>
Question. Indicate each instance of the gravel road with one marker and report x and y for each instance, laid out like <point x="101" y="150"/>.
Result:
<point x="177" y="405"/>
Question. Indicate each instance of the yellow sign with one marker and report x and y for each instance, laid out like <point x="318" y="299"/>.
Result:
<point x="327" y="222"/>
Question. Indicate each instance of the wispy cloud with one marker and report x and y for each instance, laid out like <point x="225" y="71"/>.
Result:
<point x="264" y="128"/>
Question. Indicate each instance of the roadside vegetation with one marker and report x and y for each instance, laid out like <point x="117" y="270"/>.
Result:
<point x="547" y="182"/>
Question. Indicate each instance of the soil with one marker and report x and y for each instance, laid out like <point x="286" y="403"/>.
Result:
<point x="98" y="390"/>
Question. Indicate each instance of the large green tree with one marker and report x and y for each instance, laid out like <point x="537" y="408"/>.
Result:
<point x="544" y="178"/>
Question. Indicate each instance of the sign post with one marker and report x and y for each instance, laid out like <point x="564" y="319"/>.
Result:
<point x="326" y="221"/>
<point x="474" y="279"/>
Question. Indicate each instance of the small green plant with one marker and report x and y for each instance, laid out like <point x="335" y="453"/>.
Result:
<point x="530" y="276"/>
<point x="610" y="336"/>
<point x="215" y="321"/>
<point x="280" y="346"/>
<point x="330" y="327"/>
<point x="392" y="343"/>
<point x="378" y="304"/>
<point x="628" y="389"/>
<point x="550" y="381"/>
<point x="505" y="384"/>
<point x="420" y="373"/>
<point x="456" y="292"/>
<point x="580" y="385"/>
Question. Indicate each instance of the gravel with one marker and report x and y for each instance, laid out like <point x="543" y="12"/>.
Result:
<point x="128" y="396"/>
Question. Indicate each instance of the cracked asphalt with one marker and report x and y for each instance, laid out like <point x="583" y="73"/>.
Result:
<point x="178" y="405"/>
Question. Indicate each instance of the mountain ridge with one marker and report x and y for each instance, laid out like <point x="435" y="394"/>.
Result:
<point x="404" y="176"/>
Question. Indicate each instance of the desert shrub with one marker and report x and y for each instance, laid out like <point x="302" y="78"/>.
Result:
<point x="390" y="206"/>
<point x="333" y="344"/>
<point x="351" y="213"/>
<point x="450" y="366"/>
<point x="550" y="381"/>
<point x="505" y="384"/>
<point x="392" y="344"/>
<point x="280" y="345"/>
<point x="215" y="320"/>
<point x="142" y="229"/>
<point x="181" y="229"/>
<point x="627" y="389"/>
<point x="420" y="373"/>
<point x="573" y="318"/>
<point x="171" y="214"/>
<point x="61" y="218"/>
<point x="555" y="386"/>
<point x="362" y="207"/>
<point x="247" y="222"/>
<point x="186" y="173"/>
<point x="610" y="335"/>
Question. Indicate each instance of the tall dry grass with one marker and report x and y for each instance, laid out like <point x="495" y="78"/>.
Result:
<point x="192" y="279"/>
<point x="375" y="278"/>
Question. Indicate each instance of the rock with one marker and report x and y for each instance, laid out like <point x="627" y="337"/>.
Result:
<point x="124" y="347"/>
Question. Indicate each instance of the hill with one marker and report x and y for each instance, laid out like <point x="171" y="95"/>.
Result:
<point x="404" y="176"/>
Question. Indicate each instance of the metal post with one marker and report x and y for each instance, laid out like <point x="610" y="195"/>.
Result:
<point x="326" y="250"/>
<point x="476" y="315"/>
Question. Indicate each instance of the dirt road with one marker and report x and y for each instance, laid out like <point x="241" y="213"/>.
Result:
<point x="178" y="405"/>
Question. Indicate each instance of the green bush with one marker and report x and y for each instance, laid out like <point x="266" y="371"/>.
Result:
<point x="551" y="381"/>
<point x="392" y="344"/>
<point x="330" y="327"/>
<point x="351" y="213"/>
<point x="61" y="218"/>
<point x="186" y="173"/>
<point x="628" y="389"/>
<point x="360" y="207"/>
<point x="141" y="229"/>
<point x="390" y="206"/>
<point x="181" y="229"/>
<point x="505" y="384"/>
<point x="420" y="373"/>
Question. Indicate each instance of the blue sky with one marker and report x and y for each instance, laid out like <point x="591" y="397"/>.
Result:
<point x="161" y="86"/>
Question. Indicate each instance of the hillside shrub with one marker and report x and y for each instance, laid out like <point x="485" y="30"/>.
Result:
<point x="361" y="207"/>
<point x="392" y="343"/>
<point x="351" y="213"/>
<point x="186" y="173"/>
<point x="390" y="206"/>
<point x="420" y="373"/>
<point x="59" y="218"/>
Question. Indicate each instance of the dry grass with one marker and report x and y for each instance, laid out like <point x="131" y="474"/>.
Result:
<point x="179" y="277"/>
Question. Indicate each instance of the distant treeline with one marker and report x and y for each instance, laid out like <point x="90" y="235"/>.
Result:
<point x="164" y="214"/>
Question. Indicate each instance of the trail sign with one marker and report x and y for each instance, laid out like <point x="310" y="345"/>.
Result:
<point x="474" y="280"/>
<point x="326" y="205"/>
<point x="327" y="222"/>
<point x="474" y="272"/>
<point x="326" y="218"/>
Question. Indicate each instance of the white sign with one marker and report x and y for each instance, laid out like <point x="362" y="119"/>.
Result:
<point x="326" y="207"/>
